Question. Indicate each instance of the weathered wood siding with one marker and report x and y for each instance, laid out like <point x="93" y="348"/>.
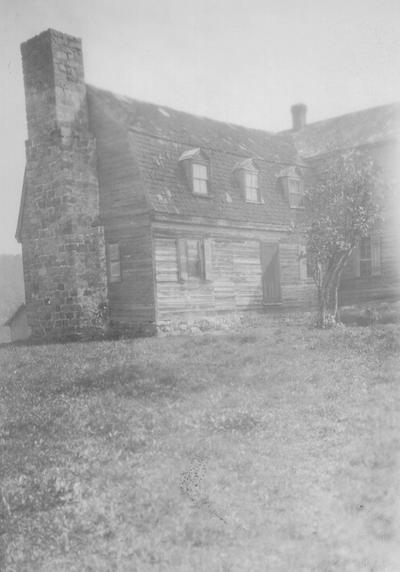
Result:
<point x="132" y="299"/>
<point x="297" y="292"/>
<point x="355" y="289"/>
<point x="124" y="213"/>
<point x="234" y="282"/>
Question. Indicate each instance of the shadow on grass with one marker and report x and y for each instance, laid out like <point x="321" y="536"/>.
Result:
<point x="23" y="429"/>
<point x="132" y="381"/>
<point x="232" y="422"/>
<point x="244" y="338"/>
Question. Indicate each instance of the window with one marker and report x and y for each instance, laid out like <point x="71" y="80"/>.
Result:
<point x="290" y="180"/>
<point x="365" y="256"/>
<point x="114" y="262"/>
<point x="194" y="258"/>
<point x="200" y="179"/>
<point x="251" y="187"/>
<point x="296" y="195"/>
<point x="310" y="266"/>
<point x="247" y="176"/>
<point x="305" y="263"/>
<point x="196" y="167"/>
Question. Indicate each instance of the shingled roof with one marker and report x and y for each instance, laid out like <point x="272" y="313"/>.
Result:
<point x="192" y="130"/>
<point x="366" y="127"/>
<point x="158" y="136"/>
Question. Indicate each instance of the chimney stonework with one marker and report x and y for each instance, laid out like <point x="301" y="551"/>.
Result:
<point x="299" y="116"/>
<point x="63" y="250"/>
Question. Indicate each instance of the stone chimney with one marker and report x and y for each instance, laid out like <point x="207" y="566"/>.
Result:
<point x="55" y="90"/>
<point x="299" y="113"/>
<point x="62" y="248"/>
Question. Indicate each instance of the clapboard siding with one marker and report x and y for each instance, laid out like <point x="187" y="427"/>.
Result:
<point x="360" y="290"/>
<point x="123" y="211"/>
<point x="355" y="289"/>
<point x="236" y="276"/>
<point x="132" y="299"/>
<point x="296" y="292"/>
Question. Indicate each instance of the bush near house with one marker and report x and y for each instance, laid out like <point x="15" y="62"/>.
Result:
<point x="271" y="447"/>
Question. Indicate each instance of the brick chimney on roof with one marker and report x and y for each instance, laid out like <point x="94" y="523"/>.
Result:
<point x="299" y="113"/>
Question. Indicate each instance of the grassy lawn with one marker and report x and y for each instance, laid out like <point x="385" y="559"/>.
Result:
<point x="272" y="448"/>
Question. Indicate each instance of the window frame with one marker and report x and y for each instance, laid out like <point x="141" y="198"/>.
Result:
<point x="204" y="251"/>
<point x="364" y="260"/>
<point x="305" y="268"/>
<point x="190" y="159"/>
<point x="299" y="193"/>
<point x="250" y="188"/>
<point x="112" y="259"/>
<point x="196" y="162"/>
<point x="243" y="170"/>
<point x="199" y="262"/>
<point x="374" y="259"/>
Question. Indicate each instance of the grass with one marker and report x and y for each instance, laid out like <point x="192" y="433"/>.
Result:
<point x="272" y="448"/>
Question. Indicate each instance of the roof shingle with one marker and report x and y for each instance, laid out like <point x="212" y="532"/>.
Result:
<point x="159" y="137"/>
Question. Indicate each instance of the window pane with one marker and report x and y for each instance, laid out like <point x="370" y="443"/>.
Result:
<point x="251" y="180"/>
<point x="115" y="270"/>
<point x="200" y="187"/>
<point x="251" y="187"/>
<point x="365" y="247"/>
<point x="252" y="195"/>
<point x="296" y="195"/>
<point x="365" y="267"/>
<point x="193" y="252"/>
<point x="199" y="171"/>
<point x="113" y="250"/>
<point x="294" y="186"/>
<point x="310" y="266"/>
<point x="295" y="199"/>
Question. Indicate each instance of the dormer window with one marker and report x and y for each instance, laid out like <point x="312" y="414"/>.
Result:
<point x="247" y="173"/>
<point x="196" y="167"/>
<point x="296" y="194"/>
<point x="251" y="187"/>
<point x="292" y="186"/>
<point x="200" y="179"/>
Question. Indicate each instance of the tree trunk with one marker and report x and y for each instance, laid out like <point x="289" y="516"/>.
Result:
<point x="326" y="310"/>
<point x="328" y="291"/>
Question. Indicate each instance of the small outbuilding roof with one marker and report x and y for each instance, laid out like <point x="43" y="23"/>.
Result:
<point x="13" y="316"/>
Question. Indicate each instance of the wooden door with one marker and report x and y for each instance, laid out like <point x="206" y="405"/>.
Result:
<point x="271" y="282"/>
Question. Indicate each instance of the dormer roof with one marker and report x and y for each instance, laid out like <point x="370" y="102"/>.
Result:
<point x="247" y="164"/>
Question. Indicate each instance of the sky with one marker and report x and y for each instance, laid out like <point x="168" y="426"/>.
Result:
<point x="241" y="61"/>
